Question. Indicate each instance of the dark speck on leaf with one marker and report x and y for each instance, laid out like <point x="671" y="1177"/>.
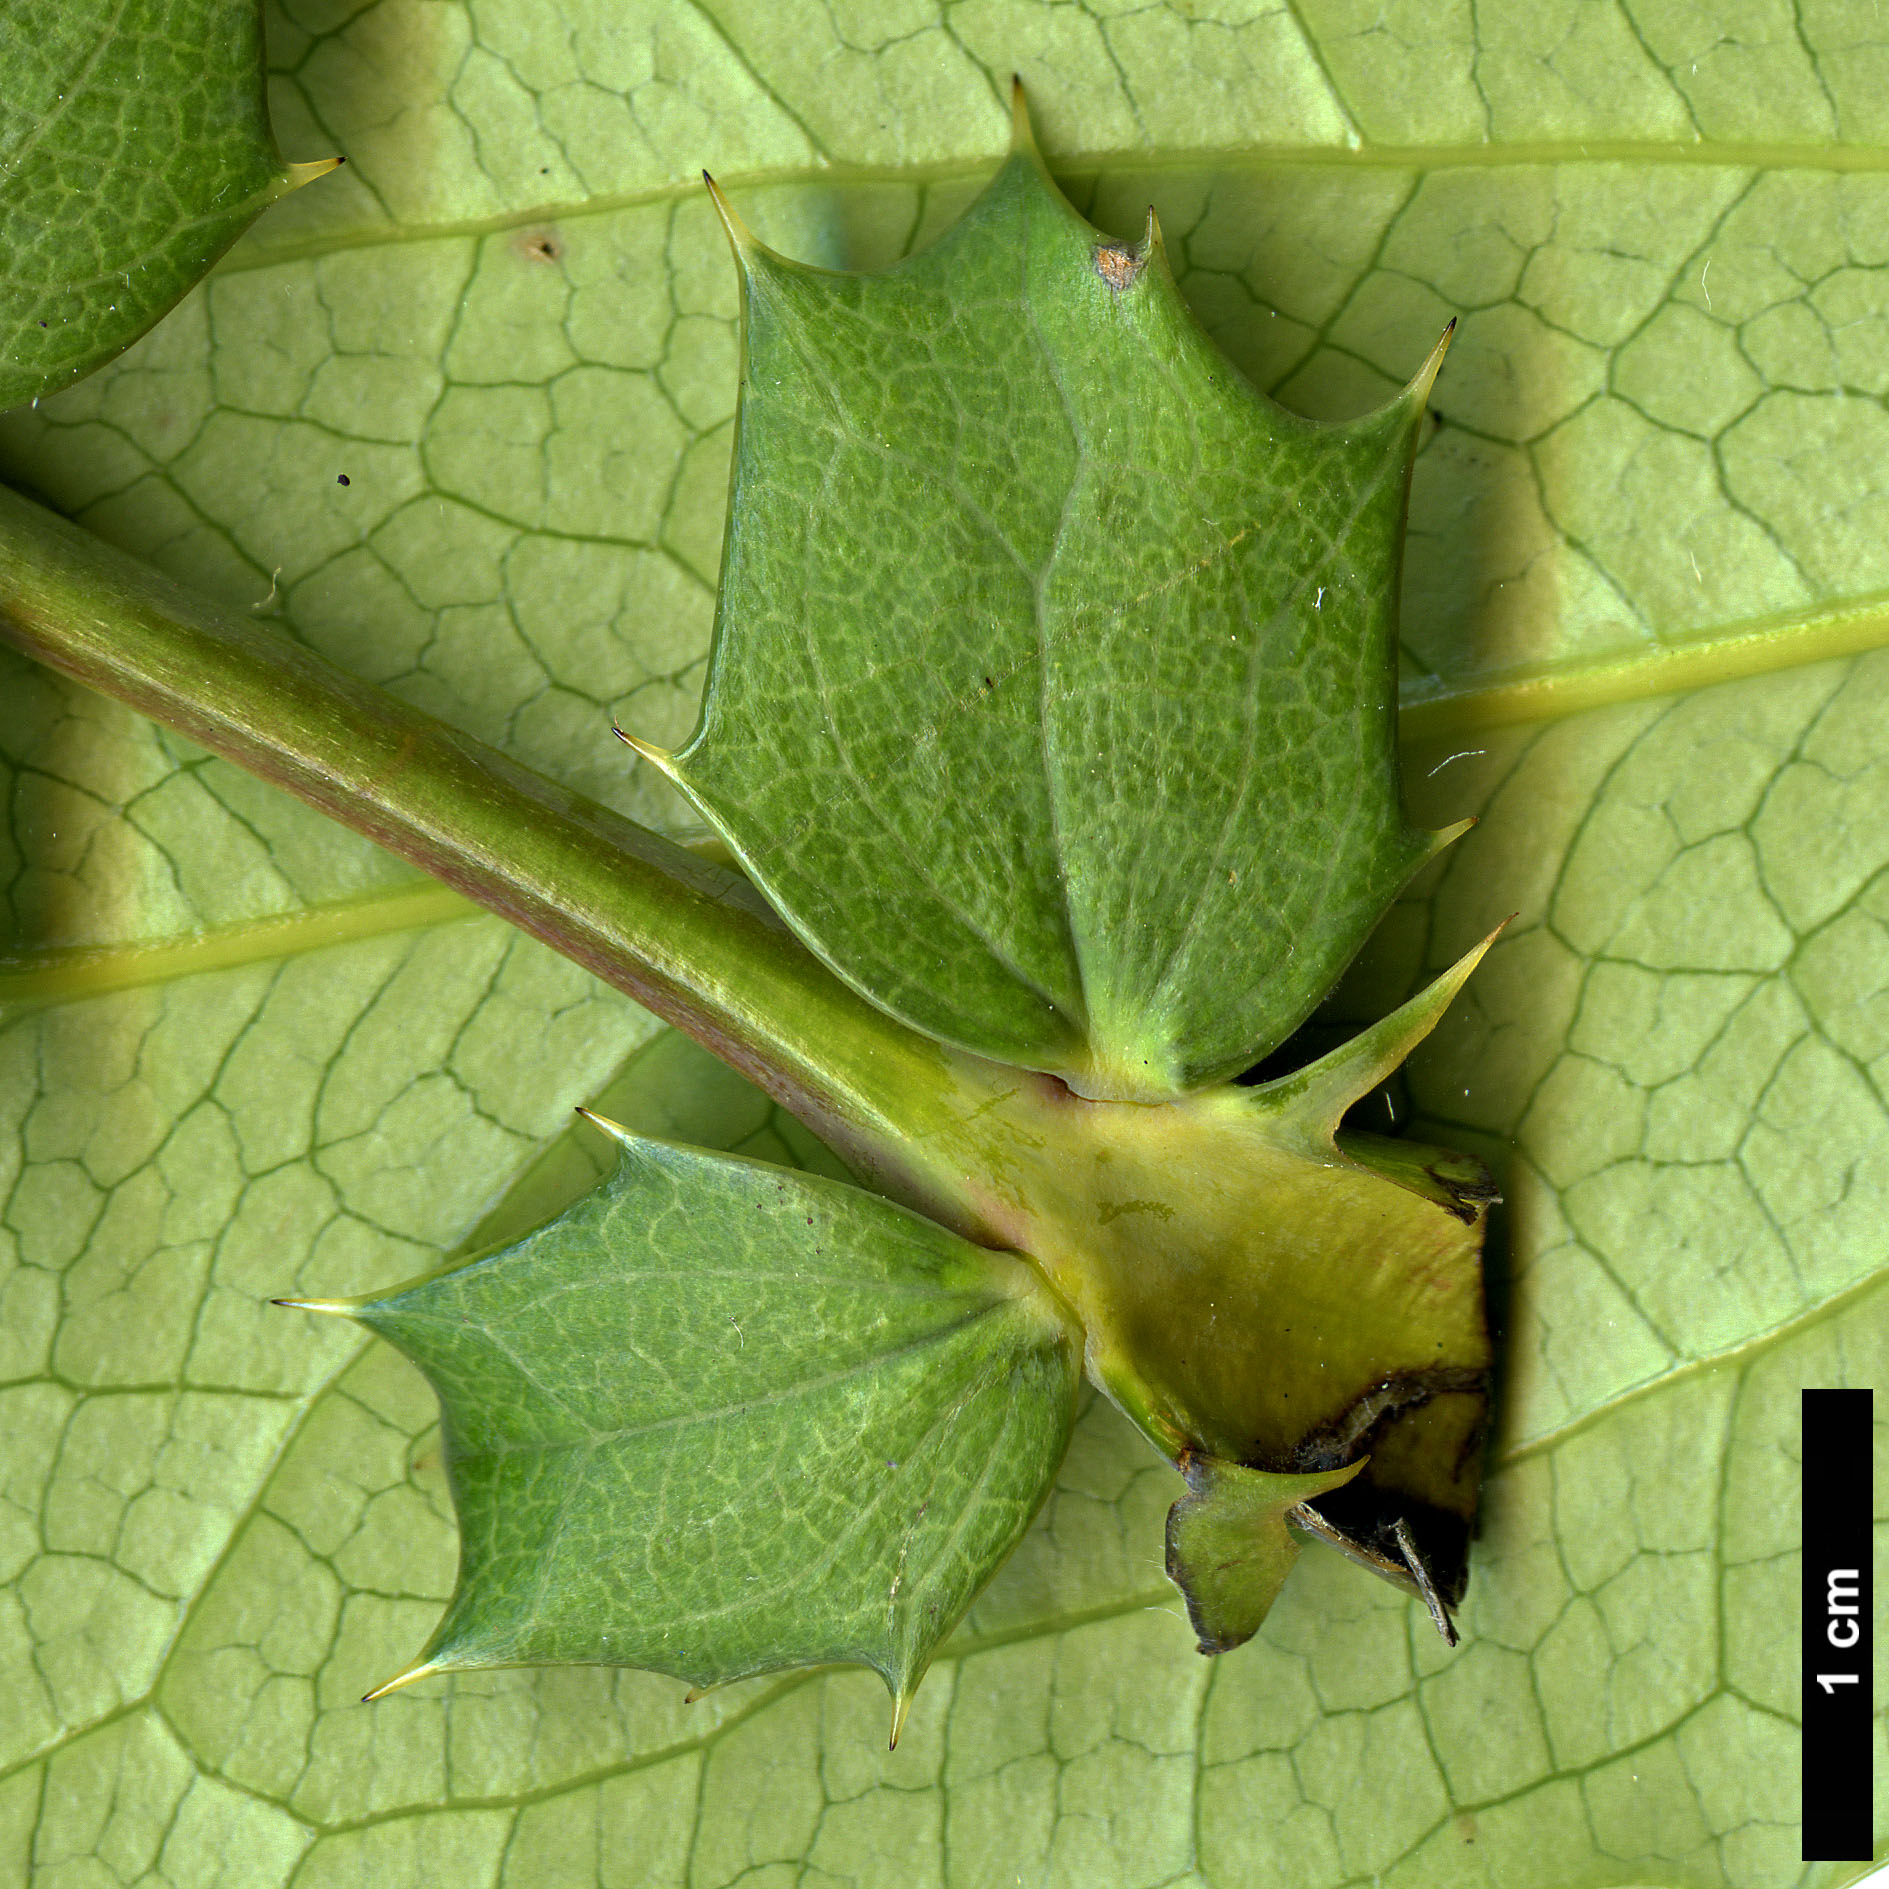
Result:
<point x="341" y="478"/>
<point x="540" y="246"/>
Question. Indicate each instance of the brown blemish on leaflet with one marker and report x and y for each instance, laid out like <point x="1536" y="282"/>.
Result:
<point x="539" y="245"/>
<point x="1118" y="265"/>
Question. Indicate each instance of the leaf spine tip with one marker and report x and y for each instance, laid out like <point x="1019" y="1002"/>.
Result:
<point x="423" y="1670"/>
<point x="659" y="758"/>
<point x="1418" y="392"/>
<point x="296" y="175"/>
<point x="740" y="237"/>
<point x="1457" y="975"/>
<point x="901" y="1704"/>
<point x="1447" y="836"/>
<point x="1022" y="131"/>
<point x="337" y="1308"/>
<point x="1318" y="1095"/>
<point x="604" y="1125"/>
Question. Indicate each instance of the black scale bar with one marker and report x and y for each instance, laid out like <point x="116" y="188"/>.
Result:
<point x="1838" y="1689"/>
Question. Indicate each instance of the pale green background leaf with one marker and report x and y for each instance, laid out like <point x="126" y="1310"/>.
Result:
<point x="509" y="321"/>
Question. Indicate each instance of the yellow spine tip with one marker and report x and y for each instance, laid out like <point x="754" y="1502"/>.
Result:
<point x="1418" y="392"/>
<point x="335" y="1308"/>
<point x="1151" y="236"/>
<point x="1022" y="131"/>
<point x="659" y="758"/>
<point x="695" y="1694"/>
<point x="740" y="237"/>
<point x="299" y="174"/>
<point x="901" y="1704"/>
<point x="1458" y="974"/>
<point x="1476" y="953"/>
<point x="1447" y="836"/>
<point x="605" y="1126"/>
<point x="424" y="1670"/>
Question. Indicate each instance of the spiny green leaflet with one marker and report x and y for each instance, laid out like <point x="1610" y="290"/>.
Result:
<point x="721" y="1418"/>
<point x="1052" y="697"/>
